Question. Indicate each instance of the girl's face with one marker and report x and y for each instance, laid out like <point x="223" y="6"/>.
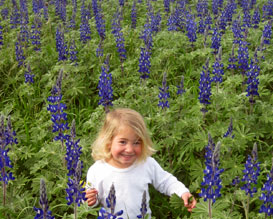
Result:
<point x="125" y="148"/>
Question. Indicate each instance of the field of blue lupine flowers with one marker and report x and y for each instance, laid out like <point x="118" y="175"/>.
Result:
<point x="199" y="71"/>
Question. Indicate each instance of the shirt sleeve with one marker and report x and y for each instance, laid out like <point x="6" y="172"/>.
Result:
<point x="165" y="182"/>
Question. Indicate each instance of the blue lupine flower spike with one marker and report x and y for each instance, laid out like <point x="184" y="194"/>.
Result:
<point x="267" y="194"/>
<point x="76" y="191"/>
<point x="7" y="137"/>
<point x="229" y="131"/>
<point x="211" y="184"/>
<point x="105" y="86"/>
<point x="29" y="78"/>
<point x="205" y="87"/>
<point x="111" y="199"/>
<point x="163" y="93"/>
<point x="56" y="108"/>
<point x="253" y="80"/>
<point x="143" y="209"/>
<point x="180" y="87"/>
<point x="111" y="204"/>
<point x="218" y="68"/>
<point x="251" y="173"/>
<point x="43" y="212"/>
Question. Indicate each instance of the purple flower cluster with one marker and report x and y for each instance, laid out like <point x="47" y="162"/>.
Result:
<point x="19" y="52"/>
<point x="243" y="57"/>
<point x="43" y="212"/>
<point x="61" y="44"/>
<point x="1" y="36"/>
<point x="267" y="32"/>
<point x="247" y="19"/>
<point x="111" y="204"/>
<point x="237" y="30"/>
<point x="143" y="209"/>
<point x="73" y="16"/>
<point x="155" y="22"/>
<point x="105" y="86"/>
<point x="24" y="34"/>
<point x="24" y="18"/>
<point x="60" y="9"/>
<point x="4" y="13"/>
<point x="267" y="10"/>
<point x="230" y="10"/>
<point x="146" y="35"/>
<point x="218" y="68"/>
<point x="201" y="25"/>
<point x="144" y="63"/>
<point x="116" y="30"/>
<point x="267" y="195"/>
<point x="29" y="78"/>
<point x="252" y="81"/>
<point x="100" y="22"/>
<point x="177" y="20"/>
<point x="167" y="6"/>
<point x="211" y="185"/>
<point x="232" y="59"/>
<point x="180" y="87"/>
<point x="146" y="51"/>
<point x="73" y="52"/>
<point x="134" y="15"/>
<point x="191" y="28"/>
<point x="76" y="191"/>
<point x="222" y="22"/>
<point x="73" y="151"/>
<point x="205" y="86"/>
<point x="85" y="31"/>
<point x="216" y="40"/>
<point x="7" y="139"/>
<point x="208" y="21"/>
<point x="229" y="131"/>
<point x="15" y="15"/>
<point x="36" y="32"/>
<point x="201" y="8"/>
<point x="172" y="22"/>
<point x="251" y="172"/>
<point x="56" y="108"/>
<point x="256" y="18"/>
<point x="163" y="93"/>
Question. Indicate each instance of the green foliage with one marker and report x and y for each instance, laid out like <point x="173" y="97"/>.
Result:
<point x="179" y="133"/>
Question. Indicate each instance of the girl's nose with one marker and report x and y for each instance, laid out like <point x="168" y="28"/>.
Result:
<point x="129" y="148"/>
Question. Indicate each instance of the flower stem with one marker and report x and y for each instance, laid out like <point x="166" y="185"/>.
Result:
<point x="75" y="210"/>
<point x="210" y="210"/>
<point x="247" y="206"/>
<point x="4" y="193"/>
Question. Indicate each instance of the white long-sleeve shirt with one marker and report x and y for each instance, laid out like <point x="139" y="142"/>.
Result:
<point x="130" y="183"/>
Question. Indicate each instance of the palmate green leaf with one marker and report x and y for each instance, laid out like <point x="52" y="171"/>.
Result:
<point x="196" y="170"/>
<point x="176" y="202"/>
<point x="220" y="209"/>
<point x="84" y="211"/>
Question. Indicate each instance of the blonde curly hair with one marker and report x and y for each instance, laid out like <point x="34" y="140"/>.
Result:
<point x="112" y="123"/>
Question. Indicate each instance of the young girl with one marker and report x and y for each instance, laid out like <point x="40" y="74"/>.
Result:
<point x="122" y="152"/>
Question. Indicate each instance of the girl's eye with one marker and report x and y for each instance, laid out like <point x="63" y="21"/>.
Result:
<point x="137" y="143"/>
<point x="122" y="142"/>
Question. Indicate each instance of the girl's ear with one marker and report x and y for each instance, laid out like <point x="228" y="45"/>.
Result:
<point x="108" y="145"/>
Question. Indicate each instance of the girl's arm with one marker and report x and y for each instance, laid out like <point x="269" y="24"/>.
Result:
<point x="164" y="181"/>
<point x="168" y="184"/>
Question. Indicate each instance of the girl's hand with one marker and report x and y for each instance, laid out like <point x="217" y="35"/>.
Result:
<point x="91" y="195"/>
<point x="189" y="201"/>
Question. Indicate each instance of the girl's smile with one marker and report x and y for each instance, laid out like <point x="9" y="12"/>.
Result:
<point x="125" y="148"/>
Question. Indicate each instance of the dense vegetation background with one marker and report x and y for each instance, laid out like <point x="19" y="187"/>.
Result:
<point x="38" y="40"/>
